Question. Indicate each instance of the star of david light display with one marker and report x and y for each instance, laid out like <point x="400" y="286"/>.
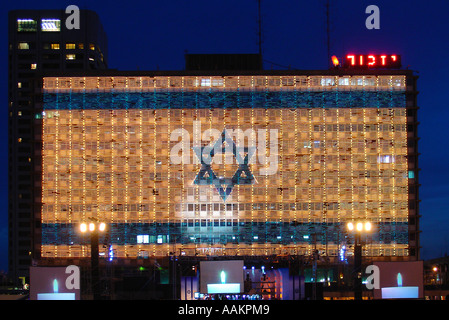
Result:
<point x="224" y="186"/>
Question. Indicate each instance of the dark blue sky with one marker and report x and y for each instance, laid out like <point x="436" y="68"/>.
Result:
<point x="149" y="35"/>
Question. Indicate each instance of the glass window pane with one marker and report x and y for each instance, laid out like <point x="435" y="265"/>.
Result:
<point x="24" y="46"/>
<point x="26" y="25"/>
<point x="51" y="25"/>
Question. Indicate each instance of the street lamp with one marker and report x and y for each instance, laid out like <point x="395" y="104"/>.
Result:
<point x="358" y="227"/>
<point x="94" y="227"/>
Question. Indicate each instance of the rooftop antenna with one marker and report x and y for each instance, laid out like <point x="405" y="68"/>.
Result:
<point x="260" y="26"/>
<point x="328" y="33"/>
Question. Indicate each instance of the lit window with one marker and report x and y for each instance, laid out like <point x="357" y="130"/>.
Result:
<point x="19" y="85"/>
<point x="143" y="238"/>
<point x="26" y="25"/>
<point x="70" y="56"/>
<point x="411" y="175"/>
<point x="385" y="159"/>
<point x="80" y="45"/>
<point x="205" y="82"/>
<point x="327" y="81"/>
<point x="217" y="82"/>
<point x="50" y="25"/>
<point x="24" y="46"/>
<point x="33" y="66"/>
<point x="91" y="59"/>
<point x="70" y="46"/>
<point x="91" y="46"/>
<point x="343" y="81"/>
<point x="54" y="46"/>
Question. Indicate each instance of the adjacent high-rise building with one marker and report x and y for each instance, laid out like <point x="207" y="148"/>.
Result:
<point x="39" y="42"/>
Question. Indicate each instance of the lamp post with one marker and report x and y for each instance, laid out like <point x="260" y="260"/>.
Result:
<point x="358" y="228"/>
<point x="94" y="228"/>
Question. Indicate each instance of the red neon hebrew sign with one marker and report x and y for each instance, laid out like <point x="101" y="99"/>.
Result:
<point x="373" y="61"/>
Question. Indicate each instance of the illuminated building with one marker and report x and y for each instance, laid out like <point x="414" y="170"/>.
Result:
<point x="322" y="148"/>
<point x="39" y="42"/>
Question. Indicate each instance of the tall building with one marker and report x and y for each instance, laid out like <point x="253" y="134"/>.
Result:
<point x="39" y="42"/>
<point x="229" y="163"/>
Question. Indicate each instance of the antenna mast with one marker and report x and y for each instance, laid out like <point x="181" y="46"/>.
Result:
<point x="328" y="33"/>
<point x="260" y="26"/>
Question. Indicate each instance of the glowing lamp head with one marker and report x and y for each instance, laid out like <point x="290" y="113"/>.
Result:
<point x="350" y="226"/>
<point x="102" y="227"/>
<point x="368" y="226"/>
<point x="335" y="61"/>
<point x="83" y="227"/>
<point x="359" y="226"/>
<point x="91" y="226"/>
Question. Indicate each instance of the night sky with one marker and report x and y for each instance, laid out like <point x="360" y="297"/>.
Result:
<point x="151" y="35"/>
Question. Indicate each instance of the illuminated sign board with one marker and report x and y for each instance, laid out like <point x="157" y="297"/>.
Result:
<point x="55" y="283"/>
<point x="400" y="280"/>
<point x="221" y="277"/>
<point x="375" y="61"/>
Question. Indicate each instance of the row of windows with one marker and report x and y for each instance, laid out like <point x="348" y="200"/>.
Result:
<point x="54" y="46"/>
<point x="285" y="144"/>
<point x="134" y="115"/>
<point x="31" y="25"/>
<point x="133" y="162"/>
<point x="314" y="84"/>
<point x="259" y="194"/>
<point x="147" y="176"/>
<point x="360" y="127"/>
<point x="33" y="66"/>
<point x="150" y="128"/>
<point x="132" y="251"/>
<point x="300" y="206"/>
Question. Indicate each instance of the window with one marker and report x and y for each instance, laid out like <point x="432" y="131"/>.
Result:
<point x="385" y="159"/>
<point x="343" y="81"/>
<point x="33" y="66"/>
<point x="54" y="46"/>
<point x="70" y="56"/>
<point x="143" y="238"/>
<point x="217" y="82"/>
<point x="50" y="25"/>
<point x="205" y="82"/>
<point x="327" y="81"/>
<point x="80" y="45"/>
<point x="70" y="46"/>
<point x="91" y="46"/>
<point x="26" y="25"/>
<point x="24" y="45"/>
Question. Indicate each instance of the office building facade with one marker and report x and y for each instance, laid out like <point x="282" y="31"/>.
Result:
<point x="253" y="163"/>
